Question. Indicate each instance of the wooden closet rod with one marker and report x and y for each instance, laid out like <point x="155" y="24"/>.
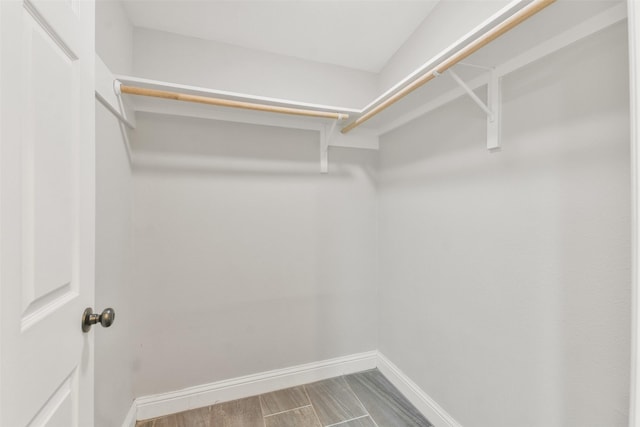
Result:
<point x="133" y="90"/>
<point x="526" y="12"/>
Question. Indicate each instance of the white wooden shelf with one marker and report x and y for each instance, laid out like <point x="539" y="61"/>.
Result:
<point x="234" y="96"/>
<point x="170" y="107"/>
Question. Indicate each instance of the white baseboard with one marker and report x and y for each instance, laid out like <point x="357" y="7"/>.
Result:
<point x="421" y="400"/>
<point x="130" y="419"/>
<point x="251" y="385"/>
<point x="208" y="394"/>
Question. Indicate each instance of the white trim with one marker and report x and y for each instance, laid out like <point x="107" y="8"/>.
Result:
<point x="130" y="418"/>
<point x="208" y="394"/>
<point x="159" y="405"/>
<point x="421" y="400"/>
<point x="634" y="94"/>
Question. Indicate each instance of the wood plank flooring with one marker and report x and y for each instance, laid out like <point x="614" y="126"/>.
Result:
<point x="364" y="399"/>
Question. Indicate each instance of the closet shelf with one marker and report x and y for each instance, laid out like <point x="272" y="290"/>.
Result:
<point x="207" y="100"/>
<point x="563" y="23"/>
<point x="163" y="86"/>
<point x="555" y="27"/>
<point x="454" y="58"/>
<point x="126" y="107"/>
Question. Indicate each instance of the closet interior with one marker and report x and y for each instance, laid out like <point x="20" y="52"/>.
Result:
<point x="300" y="191"/>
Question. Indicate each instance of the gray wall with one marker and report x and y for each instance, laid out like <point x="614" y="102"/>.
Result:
<point x="114" y="36"/>
<point x="197" y="62"/>
<point x="247" y="259"/>
<point x="448" y="21"/>
<point x="506" y="276"/>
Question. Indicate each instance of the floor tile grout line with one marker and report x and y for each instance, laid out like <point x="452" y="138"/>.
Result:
<point x="363" y="407"/>
<point x="288" y="410"/>
<point x="264" y="422"/>
<point x="304" y="387"/>
<point x="394" y="397"/>
<point x="348" y="421"/>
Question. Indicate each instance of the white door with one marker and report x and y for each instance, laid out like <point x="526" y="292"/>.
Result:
<point x="46" y="212"/>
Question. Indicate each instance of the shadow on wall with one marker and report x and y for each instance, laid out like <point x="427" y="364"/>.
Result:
<point x="194" y="146"/>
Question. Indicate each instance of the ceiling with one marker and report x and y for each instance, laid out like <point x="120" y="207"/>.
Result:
<point x="355" y="34"/>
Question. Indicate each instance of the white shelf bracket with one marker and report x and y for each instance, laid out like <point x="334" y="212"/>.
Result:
<point x="468" y="64"/>
<point x="494" y="121"/>
<point x="326" y="135"/>
<point x="324" y="150"/>
<point x="492" y="110"/>
<point x="117" y="87"/>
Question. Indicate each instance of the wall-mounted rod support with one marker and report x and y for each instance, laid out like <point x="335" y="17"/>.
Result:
<point x="471" y="93"/>
<point x="494" y="121"/>
<point x="482" y="67"/>
<point x="526" y="12"/>
<point x="133" y="90"/>
<point x="493" y="109"/>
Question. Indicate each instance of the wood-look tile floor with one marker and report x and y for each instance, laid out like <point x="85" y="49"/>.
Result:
<point x="365" y="399"/>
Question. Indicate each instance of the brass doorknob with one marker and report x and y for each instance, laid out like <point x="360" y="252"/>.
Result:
<point x="89" y="318"/>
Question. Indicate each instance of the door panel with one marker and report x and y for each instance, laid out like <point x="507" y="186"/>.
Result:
<point x="50" y="133"/>
<point x="59" y="409"/>
<point x="46" y="212"/>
